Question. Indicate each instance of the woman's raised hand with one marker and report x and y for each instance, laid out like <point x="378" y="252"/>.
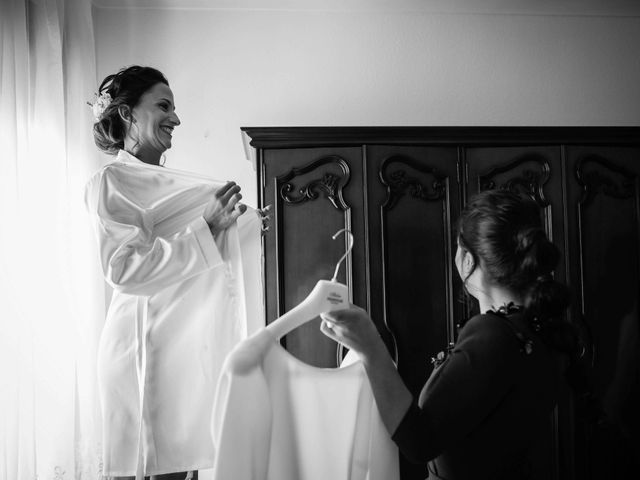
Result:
<point x="353" y="328"/>
<point x="224" y="208"/>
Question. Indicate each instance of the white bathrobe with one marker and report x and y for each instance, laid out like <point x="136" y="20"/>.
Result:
<point x="181" y="300"/>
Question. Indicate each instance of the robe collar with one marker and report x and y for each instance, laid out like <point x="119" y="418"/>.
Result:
<point x="126" y="157"/>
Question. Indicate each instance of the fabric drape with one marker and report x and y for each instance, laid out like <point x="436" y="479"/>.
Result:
<point x="278" y="418"/>
<point x="51" y="291"/>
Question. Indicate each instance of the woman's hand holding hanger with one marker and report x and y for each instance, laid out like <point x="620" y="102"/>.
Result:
<point x="224" y="208"/>
<point x="353" y="328"/>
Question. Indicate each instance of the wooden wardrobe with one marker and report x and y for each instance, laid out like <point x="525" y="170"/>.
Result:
<point x="400" y="190"/>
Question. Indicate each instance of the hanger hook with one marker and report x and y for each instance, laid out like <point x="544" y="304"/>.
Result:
<point x="349" y="247"/>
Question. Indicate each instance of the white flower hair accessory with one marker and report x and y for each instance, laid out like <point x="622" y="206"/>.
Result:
<point x="100" y="104"/>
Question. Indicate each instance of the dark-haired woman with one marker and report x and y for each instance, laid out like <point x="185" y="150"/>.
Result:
<point x="166" y="241"/>
<point x="477" y="413"/>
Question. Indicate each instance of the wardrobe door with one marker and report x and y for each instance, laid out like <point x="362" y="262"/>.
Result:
<point x="314" y="193"/>
<point x="535" y="172"/>
<point x="413" y="197"/>
<point x="604" y="243"/>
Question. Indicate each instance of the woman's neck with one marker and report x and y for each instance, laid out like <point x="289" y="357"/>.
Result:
<point x="146" y="155"/>
<point x="492" y="298"/>
<point x="151" y="157"/>
<point x="489" y="295"/>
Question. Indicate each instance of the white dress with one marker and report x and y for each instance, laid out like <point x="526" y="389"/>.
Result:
<point x="180" y="302"/>
<point x="278" y="418"/>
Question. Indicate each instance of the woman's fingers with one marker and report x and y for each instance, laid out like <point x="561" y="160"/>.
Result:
<point x="224" y="208"/>
<point x="233" y="200"/>
<point x="327" y="329"/>
<point x="230" y="198"/>
<point x="239" y="209"/>
<point x="224" y="189"/>
<point x="343" y="315"/>
<point x="334" y="324"/>
<point x="228" y="192"/>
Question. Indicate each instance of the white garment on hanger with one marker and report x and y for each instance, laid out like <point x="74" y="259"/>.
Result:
<point x="181" y="301"/>
<point x="278" y="418"/>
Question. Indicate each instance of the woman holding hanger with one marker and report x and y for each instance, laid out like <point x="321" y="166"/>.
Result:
<point x="155" y="370"/>
<point x="476" y="415"/>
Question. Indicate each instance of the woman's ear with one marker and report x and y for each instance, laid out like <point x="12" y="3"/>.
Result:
<point x="125" y="114"/>
<point x="468" y="265"/>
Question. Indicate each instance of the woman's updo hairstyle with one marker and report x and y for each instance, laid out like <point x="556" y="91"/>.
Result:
<point x="125" y="88"/>
<point x="503" y="232"/>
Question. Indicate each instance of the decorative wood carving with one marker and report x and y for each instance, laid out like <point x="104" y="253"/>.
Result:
<point x="330" y="183"/>
<point x="530" y="182"/>
<point x="598" y="175"/>
<point x="398" y="182"/>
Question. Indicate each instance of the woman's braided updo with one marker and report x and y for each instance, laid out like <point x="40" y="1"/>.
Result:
<point x="125" y="88"/>
<point x="503" y="232"/>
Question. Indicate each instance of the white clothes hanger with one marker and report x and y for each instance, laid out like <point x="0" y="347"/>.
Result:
<point x="326" y="296"/>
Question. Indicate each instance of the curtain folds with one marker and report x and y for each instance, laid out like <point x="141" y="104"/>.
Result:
<point x="51" y="292"/>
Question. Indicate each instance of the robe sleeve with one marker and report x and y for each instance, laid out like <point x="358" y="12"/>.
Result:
<point x="133" y="260"/>
<point x="241" y="421"/>
<point x="463" y="391"/>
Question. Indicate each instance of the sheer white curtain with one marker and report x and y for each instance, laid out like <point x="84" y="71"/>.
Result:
<point x="51" y="293"/>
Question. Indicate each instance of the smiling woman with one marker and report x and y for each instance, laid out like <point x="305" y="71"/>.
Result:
<point x="151" y="123"/>
<point x="165" y="240"/>
<point x="135" y="111"/>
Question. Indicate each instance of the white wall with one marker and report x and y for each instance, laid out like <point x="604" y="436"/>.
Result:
<point x="231" y="67"/>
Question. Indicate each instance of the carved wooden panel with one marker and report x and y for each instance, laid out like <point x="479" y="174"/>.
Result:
<point x="605" y="192"/>
<point x="413" y="197"/>
<point x="414" y="202"/>
<point x="307" y="191"/>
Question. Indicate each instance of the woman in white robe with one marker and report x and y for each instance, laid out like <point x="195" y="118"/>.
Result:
<point x="171" y="246"/>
